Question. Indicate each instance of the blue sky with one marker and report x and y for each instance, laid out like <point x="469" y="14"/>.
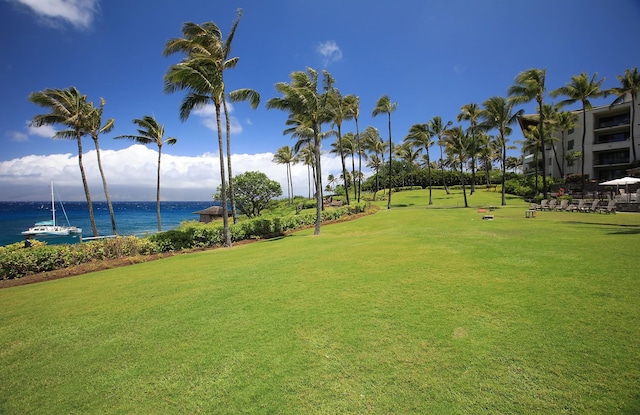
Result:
<point x="431" y="57"/>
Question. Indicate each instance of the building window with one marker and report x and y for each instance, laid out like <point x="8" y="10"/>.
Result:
<point x="613" y="138"/>
<point x="613" y="120"/>
<point x="571" y="130"/>
<point x="570" y="144"/>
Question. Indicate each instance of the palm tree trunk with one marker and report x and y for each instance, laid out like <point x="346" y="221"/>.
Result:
<point x="390" y="162"/>
<point x="319" y="204"/>
<point x="158" y="191"/>
<point x="464" y="191"/>
<point x="92" y="218"/>
<point x="504" y="167"/>
<point x="444" y="181"/>
<point x="429" y="175"/>
<point x="106" y="190"/>
<point x="345" y="181"/>
<point x="584" y="136"/>
<point x="232" y="197"/>
<point x="223" y="182"/>
<point x="359" y="150"/>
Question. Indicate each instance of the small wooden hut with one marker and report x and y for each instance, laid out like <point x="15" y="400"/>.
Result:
<point x="211" y="213"/>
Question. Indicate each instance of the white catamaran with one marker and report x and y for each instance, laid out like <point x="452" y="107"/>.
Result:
<point x="49" y="227"/>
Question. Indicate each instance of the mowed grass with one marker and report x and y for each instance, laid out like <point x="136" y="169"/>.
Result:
<point x="416" y="309"/>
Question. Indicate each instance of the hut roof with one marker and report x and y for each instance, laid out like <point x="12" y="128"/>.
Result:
<point x="212" y="210"/>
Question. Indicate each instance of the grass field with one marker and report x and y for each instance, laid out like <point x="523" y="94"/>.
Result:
<point x="416" y="309"/>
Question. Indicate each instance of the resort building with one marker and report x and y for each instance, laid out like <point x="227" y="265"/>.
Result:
<point x="607" y="152"/>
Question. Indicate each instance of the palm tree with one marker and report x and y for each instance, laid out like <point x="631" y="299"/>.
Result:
<point x="354" y="107"/>
<point x="244" y="94"/>
<point x="151" y="132"/>
<point x="95" y="127"/>
<point x="471" y="112"/>
<point x="629" y="84"/>
<point x="308" y="106"/>
<point x="385" y="106"/>
<point x="69" y="108"/>
<point x="533" y="144"/>
<point x="582" y="89"/>
<point x="565" y="121"/>
<point x="285" y="155"/>
<point x="420" y="136"/>
<point x="200" y="73"/>
<point x="498" y="114"/>
<point x="373" y="142"/>
<point x="438" y="129"/>
<point x="458" y="143"/>
<point x="341" y="110"/>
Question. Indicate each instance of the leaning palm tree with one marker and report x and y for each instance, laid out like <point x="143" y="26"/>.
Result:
<point x="95" y="127"/>
<point x="303" y="100"/>
<point x="420" y="136"/>
<point x="285" y="155"/>
<point x="530" y="86"/>
<point x="68" y="108"/>
<point x="151" y="132"/>
<point x="200" y="73"/>
<point x="438" y="129"/>
<point x="385" y="106"/>
<point x="498" y="114"/>
<point x="629" y="85"/>
<point x="582" y="89"/>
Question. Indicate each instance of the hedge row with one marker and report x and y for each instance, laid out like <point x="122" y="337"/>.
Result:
<point x="16" y="261"/>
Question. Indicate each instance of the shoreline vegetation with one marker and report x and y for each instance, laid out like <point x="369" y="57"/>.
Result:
<point x="42" y="262"/>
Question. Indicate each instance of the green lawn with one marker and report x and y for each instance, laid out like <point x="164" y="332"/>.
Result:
<point x="416" y="309"/>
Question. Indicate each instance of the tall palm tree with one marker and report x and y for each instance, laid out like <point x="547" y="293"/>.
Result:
<point x="533" y="144"/>
<point x="498" y="114"/>
<point x="458" y="143"/>
<point x="340" y="110"/>
<point x="530" y="86"/>
<point x="285" y="155"/>
<point x="373" y="142"/>
<point x="303" y="100"/>
<point x="385" y="106"/>
<point x="565" y="121"/>
<point x="629" y="84"/>
<point x="354" y="107"/>
<point x="438" y="129"/>
<point x="68" y="108"/>
<point x="150" y="131"/>
<point x="420" y="136"/>
<point x="95" y="128"/>
<point x="244" y="94"/>
<point x="350" y="146"/>
<point x="471" y="112"/>
<point x="200" y="73"/>
<point x="582" y="89"/>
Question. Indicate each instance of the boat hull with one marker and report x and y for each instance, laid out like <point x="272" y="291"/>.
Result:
<point x="52" y="231"/>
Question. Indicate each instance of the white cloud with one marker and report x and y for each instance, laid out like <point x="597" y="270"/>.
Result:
<point x="208" y="115"/>
<point x="79" y="13"/>
<point x="17" y="136"/>
<point x="46" y="131"/>
<point x="330" y="52"/>
<point x="131" y="174"/>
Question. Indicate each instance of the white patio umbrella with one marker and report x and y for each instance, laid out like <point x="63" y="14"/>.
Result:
<point x="623" y="181"/>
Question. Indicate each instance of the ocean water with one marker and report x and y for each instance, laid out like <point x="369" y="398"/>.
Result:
<point x="132" y="218"/>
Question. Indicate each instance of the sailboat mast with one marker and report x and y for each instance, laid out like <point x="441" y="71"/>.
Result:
<point x="53" y="205"/>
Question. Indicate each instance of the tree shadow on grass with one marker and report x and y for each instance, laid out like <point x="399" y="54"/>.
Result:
<point x="616" y="229"/>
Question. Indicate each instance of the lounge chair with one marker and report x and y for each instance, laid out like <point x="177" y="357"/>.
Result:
<point x="593" y="207"/>
<point x="544" y="204"/>
<point x="610" y="208"/>
<point x="564" y="204"/>
<point x="552" y="204"/>
<point x="579" y="207"/>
